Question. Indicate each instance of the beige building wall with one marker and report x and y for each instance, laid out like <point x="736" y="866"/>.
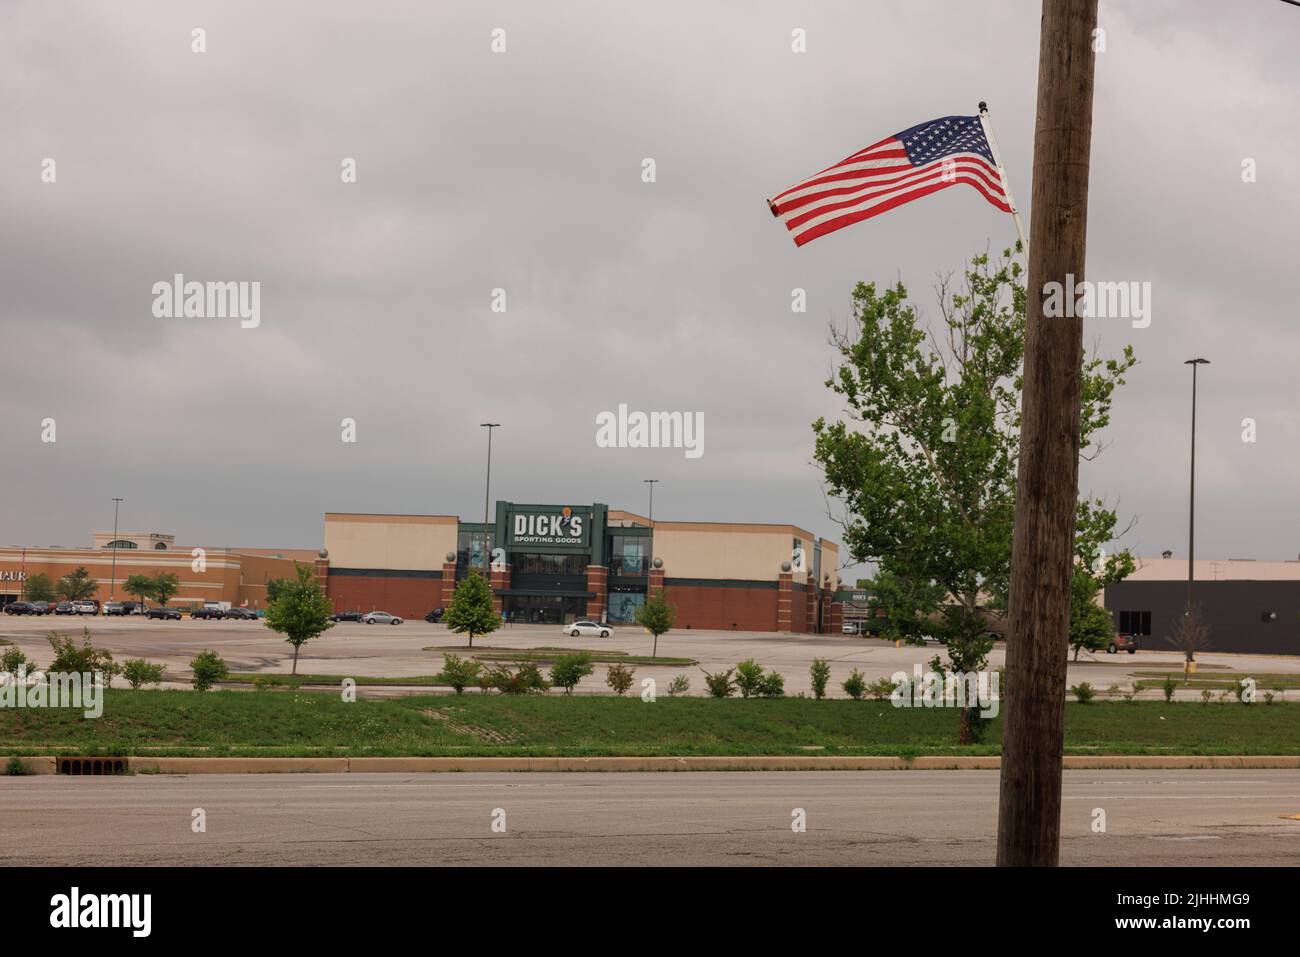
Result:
<point x="732" y="551"/>
<point x="413" y="542"/>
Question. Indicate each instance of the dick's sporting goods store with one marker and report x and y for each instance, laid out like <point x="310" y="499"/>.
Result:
<point x="551" y="564"/>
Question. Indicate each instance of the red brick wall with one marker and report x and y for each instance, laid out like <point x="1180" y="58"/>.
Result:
<point x="405" y="597"/>
<point x="598" y="583"/>
<point x="717" y="607"/>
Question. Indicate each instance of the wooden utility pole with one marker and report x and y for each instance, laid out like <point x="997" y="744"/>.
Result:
<point x="1029" y="811"/>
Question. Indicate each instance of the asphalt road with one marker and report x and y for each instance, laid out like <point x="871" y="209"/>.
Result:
<point x="853" y="818"/>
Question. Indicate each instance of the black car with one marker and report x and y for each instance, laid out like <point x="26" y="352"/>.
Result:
<point x="435" y="616"/>
<point x="18" y="608"/>
<point x="214" y="613"/>
<point x="244" y="614"/>
<point x="171" y="614"/>
<point x="41" y="608"/>
<point x="346" y="616"/>
<point x="64" y="608"/>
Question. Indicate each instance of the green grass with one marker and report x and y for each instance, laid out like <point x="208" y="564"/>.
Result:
<point x="599" y="657"/>
<point x="317" y="723"/>
<point x="1263" y="682"/>
<point x="297" y="681"/>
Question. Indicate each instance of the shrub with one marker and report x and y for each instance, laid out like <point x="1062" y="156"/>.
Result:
<point x="1241" y="692"/>
<point x="749" y="675"/>
<point x="1268" y="697"/>
<point x="527" y="679"/>
<point x="69" y="659"/>
<point x="208" y="667"/>
<point x="881" y="688"/>
<point x="15" y="766"/>
<point x="1206" y="696"/>
<point x="1169" y="686"/>
<point x="568" y="670"/>
<point x="772" y="685"/>
<point x="820" y="672"/>
<point x="720" y="685"/>
<point x="459" y="672"/>
<point x="679" y="685"/>
<point x="139" y="672"/>
<point x="12" y="660"/>
<point x="855" y="685"/>
<point x="619" y="677"/>
<point x="1083" y="692"/>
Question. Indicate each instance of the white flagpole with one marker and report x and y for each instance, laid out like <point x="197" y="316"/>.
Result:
<point x="1006" y="185"/>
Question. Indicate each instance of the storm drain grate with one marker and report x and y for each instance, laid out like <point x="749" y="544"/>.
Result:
<point x="92" y="765"/>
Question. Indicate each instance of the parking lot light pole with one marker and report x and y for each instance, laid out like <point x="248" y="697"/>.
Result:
<point x="112" y="580"/>
<point x="487" y="492"/>
<point x="1191" y="497"/>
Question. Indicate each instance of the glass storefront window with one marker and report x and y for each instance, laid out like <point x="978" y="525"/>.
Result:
<point x="528" y="563"/>
<point x="627" y="555"/>
<point x="623" y="606"/>
<point x="470" y="549"/>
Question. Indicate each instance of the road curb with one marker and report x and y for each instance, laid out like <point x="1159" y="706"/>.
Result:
<point x="416" y="765"/>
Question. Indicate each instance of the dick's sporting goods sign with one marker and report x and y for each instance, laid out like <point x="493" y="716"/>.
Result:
<point x="564" y="526"/>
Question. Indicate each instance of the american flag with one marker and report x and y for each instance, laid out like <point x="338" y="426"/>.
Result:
<point x="897" y="170"/>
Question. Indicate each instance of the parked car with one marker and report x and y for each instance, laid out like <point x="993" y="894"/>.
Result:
<point x="850" y="628"/>
<point x="206" y="613"/>
<point x="1122" y="642"/>
<point x="435" y="616"/>
<point x="18" y="608"/>
<point x="172" y="614"/>
<point x="346" y="616"/>
<point x="381" y="618"/>
<point x="115" y="608"/>
<point x="243" y="614"/>
<point x="41" y="608"/>
<point x="587" y="628"/>
<point x="63" y="608"/>
<point x="85" y="606"/>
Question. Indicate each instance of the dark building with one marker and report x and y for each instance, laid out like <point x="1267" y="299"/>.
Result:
<point x="1247" y="615"/>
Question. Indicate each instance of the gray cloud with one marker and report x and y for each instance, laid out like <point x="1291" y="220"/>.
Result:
<point x="521" y="171"/>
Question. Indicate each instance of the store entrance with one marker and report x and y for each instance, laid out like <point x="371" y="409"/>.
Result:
<point x="544" y="609"/>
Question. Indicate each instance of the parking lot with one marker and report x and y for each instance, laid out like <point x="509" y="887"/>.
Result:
<point x="354" y="649"/>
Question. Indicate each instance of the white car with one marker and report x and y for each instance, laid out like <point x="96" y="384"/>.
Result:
<point x="85" y="608"/>
<point x="587" y="628"/>
<point x="381" y="618"/>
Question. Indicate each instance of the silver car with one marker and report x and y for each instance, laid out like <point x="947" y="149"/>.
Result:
<point x="593" y="628"/>
<point x="381" y="618"/>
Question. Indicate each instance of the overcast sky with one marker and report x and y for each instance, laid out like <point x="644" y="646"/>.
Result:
<point x="522" y="171"/>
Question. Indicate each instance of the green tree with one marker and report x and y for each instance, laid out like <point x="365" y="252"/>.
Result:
<point x="139" y="585"/>
<point x="568" y="670"/>
<point x="165" y="585"/>
<point x="926" y="462"/>
<point x="300" y="612"/>
<point x="471" y="610"/>
<point x="39" y="588"/>
<point x="273" y="588"/>
<point x="657" y="617"/>
<point x="78" y="585"/>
